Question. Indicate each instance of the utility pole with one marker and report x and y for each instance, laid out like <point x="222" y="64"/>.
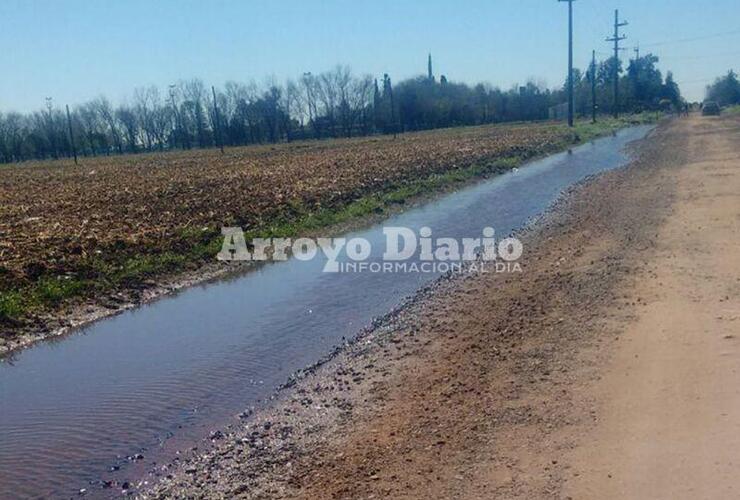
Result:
<point x="570" y="61"/>
<point x="218" y="121"/>
<point x="637" y="51"/>
<point x="616" y="39"/>
<point x="71" y="135"/>
<point x="593" y="86"/>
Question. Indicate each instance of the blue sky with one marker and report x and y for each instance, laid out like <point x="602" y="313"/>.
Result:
<point x="74" y="50"/>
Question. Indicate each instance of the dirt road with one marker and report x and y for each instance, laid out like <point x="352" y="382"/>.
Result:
<point x="669" y="400"/>
<point x="608" y="368"/>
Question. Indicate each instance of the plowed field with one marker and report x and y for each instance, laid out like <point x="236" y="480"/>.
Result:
<point x="114" y="222"/>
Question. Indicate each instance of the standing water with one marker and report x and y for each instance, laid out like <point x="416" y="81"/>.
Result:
<point x="71" y="410"/>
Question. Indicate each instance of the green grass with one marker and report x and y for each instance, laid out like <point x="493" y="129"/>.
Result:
<point x="11" y="306"/>
<point x="199" y="246"/>
<point x="45" y="293"/>
<point x="585" y="131"/>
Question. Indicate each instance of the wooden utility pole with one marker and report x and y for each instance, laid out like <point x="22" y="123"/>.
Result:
<point x="570" y="61"/>
<point x="593" y="86"/>
<point x="71" y="135"/>
<point x="616" y="39"/>
<point x="219" y="137"/>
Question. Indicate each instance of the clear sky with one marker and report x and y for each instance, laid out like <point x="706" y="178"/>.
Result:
<point x="74" y="50"/>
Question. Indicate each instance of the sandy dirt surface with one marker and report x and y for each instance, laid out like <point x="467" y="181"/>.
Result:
<point x="606" y="369"/>
<point x="669" y="401"/>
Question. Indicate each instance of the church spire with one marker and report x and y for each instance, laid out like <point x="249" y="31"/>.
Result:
<point x="429" y="68"/>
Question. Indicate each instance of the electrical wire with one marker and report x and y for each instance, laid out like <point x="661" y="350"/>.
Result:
<point x="704" y="56"/>
<point x="692" y="39"/>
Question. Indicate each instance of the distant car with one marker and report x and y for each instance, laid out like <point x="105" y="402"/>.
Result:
<point x="711" y="108"/>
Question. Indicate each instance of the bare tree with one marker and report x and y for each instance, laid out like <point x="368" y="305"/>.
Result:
<point x="240" y="112"/>
<point x="359" y="98"/>
<point x="293" y="106"/>
<point x="195" y="94"/>
<point x="104" y="108"/>
<point x="329" y="85"/>
<point x="147" y="105"/>
<point x="14" y="133"/>
<point x="310" y="86"/>
<point x="127" y="117"/>
<point x="93" y="128"/>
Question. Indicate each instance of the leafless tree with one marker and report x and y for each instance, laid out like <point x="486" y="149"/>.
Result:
<point x="13" y="131"/>
<point x="94" y="128"/>
<point x="104" y="108"/>
<point x="310" y="87"/>
<point x="126" y="115"/>
<point x="147" y="107"/>
<point x="330" y="83"/>
<point x="292" y="105"/>
<point x="359" y="100"/>
<point x="195" y="94"/>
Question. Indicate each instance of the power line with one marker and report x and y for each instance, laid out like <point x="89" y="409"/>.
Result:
<point x="704" y="56"/>
<point x="693" y="39"/>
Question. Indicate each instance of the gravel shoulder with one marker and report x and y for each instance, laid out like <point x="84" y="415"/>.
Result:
<point x="532" y="384"/>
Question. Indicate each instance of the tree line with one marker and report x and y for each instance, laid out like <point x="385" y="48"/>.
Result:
<point x="334" y="103"/>
<point x="642" y="87"/>
<point x="725" y="90"/>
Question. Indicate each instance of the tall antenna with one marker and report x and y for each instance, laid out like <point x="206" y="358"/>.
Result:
<point x="616" y="39"/>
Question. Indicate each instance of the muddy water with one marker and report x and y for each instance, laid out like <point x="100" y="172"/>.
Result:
<point x="167" y="372"/>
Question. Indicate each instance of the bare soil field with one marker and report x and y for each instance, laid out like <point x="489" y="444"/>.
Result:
<point x="104" y="232"/>
<point x="606" y="369"/>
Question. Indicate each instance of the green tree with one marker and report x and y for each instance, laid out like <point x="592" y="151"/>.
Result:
<point x="725" y="90"/>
